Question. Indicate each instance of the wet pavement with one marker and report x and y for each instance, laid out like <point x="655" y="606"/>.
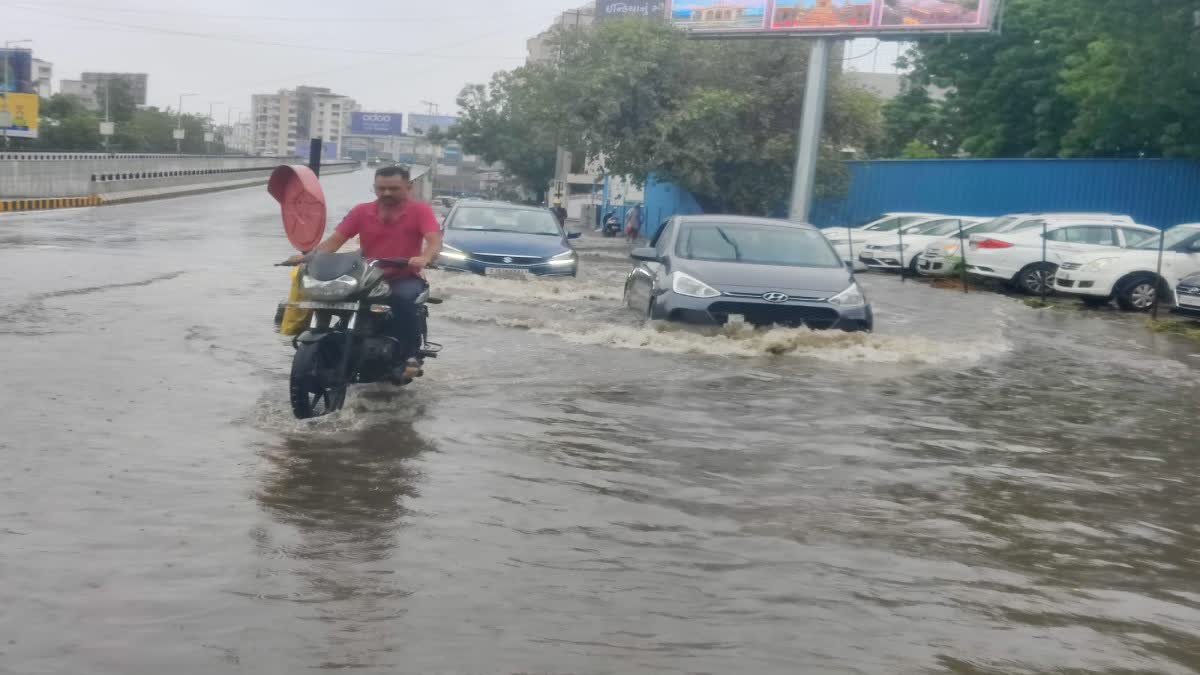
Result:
<point x="979" y="487"/>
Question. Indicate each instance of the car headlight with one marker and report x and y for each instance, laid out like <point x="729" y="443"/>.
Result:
<point x="329" y="290"/>
<point x="690" y="286"/>
<point x="950" y="249"/>
<point x="1098" y="265"/>
<point x="451" y="253"/>
<point x="851" y="297"/>
<point x="564" y="259"/>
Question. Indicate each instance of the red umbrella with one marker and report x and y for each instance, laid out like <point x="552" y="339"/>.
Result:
<point x="302" y="201"/>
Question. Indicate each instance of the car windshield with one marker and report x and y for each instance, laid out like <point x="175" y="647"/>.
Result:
<point x="756" y="244"/>
<point x="499" y="219"/>
<point x="1174" y="237"/>
<point x="887" y="224"/>
<point x="940" y="228"/>
<point x="996" y="225"/>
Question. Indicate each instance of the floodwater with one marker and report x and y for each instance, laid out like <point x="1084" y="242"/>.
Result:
<point x="979" y="487"/>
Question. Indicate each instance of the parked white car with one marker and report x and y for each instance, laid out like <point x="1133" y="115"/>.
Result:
<point x="902" y="250"/>
<point x="1130" y="277"/>
<point x="1016" y="256"/>
<point x="942" y="258"/>
<point x="849" y="241"/>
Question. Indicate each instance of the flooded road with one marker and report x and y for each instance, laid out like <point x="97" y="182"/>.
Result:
<point x="978" y="487"/>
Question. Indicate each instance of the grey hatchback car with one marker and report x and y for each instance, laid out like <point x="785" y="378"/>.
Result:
<point x="707" y="269"/>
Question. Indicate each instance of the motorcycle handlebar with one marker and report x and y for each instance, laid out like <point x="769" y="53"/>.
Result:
<point x="396" y="262"/>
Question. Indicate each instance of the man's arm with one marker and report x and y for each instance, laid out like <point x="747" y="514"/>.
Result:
<point x="433" y="247"/>
<point x="333" y="244"/>
<point x="431" y="231"/>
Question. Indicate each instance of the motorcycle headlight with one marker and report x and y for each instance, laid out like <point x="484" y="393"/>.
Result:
<point x="564" y="259"/>
<point x="690" y="286"/>
<point x="851" y="297"/>
<point x="1098" y="265"/>
<point x="451" y="253"/>
<point x="329" y="290"/>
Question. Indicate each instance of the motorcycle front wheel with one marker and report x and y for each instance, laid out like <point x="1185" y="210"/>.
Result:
<point x="317" y="386"/>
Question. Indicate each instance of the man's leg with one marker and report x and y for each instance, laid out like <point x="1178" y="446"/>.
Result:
<point x="405" y="326"/>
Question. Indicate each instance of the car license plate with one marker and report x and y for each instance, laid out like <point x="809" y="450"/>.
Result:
<point x="1189" y="300"/>
<point x="506" y="273"/>
<point x="334" y="306"/>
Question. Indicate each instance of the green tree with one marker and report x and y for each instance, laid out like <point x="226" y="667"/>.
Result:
<point x="119" y="97"/>
<point x="718" y="118"/>
<point x="505" y="122"/>
<point x="1097" y="78"/>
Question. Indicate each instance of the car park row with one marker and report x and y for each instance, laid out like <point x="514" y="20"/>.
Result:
<point x="1097" y="257"/>
<point x="720" y="269"/>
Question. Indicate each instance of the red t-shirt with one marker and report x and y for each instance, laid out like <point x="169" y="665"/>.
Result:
<point x="402" y="236"/>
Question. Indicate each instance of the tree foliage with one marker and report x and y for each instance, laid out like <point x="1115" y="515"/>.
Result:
<point x="719" y="118"/>
<point x="1098" y="78"/>
<point x="67" y="125"/>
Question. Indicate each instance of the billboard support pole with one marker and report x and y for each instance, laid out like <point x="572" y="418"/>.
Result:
<point x="815" y="88"/>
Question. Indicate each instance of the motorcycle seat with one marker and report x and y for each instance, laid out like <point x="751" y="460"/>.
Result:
<point x="330" y="266"/>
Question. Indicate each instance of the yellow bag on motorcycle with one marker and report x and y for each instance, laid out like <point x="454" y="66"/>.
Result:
<point x="295" y="320"/>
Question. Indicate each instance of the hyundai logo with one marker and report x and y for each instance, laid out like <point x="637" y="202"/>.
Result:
<point x="775" y="297"/>
<point x="508" y="261"/>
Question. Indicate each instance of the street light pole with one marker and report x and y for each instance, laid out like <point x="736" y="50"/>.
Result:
<point x="4" y="88"/>
<point x="211" y="127"/>
<point x="179" y="126"/>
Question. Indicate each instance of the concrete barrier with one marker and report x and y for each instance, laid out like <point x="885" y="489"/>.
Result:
<point x="47" y="175"/>
<point x="35" y="181"/>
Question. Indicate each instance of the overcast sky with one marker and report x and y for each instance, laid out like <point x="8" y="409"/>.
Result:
<point x="389" y="55"/>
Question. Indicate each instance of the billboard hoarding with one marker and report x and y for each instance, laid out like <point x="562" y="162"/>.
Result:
<point x="619" y="9"/>
<point x="839" y="18"/>
<point x="328" y="150"/>
<point x="377" y="124"/>
<point x="21" y="111"/>
<point x="421" y="124"/>
<point x="16" y="66"/>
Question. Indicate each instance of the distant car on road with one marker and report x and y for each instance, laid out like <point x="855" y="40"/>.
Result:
<point x="1130" y="276"/>
<point x="442" y="205"/>
<point x="511" y="241"/>
<point x="713" y="269"/>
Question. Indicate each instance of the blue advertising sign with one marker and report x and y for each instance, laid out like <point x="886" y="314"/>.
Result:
<point x="377" y="124"/>
<point x="328" y="150"/>
<point x="17" y="72"/>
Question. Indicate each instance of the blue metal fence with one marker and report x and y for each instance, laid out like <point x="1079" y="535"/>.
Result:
<point x="1159" y="192"/>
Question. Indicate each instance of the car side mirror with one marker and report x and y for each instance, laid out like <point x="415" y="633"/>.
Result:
<point x="574" y="235"/>
<point x="645" y="255"/>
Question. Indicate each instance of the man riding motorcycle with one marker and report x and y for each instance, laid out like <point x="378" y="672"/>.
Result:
<point x="393" y="226"/>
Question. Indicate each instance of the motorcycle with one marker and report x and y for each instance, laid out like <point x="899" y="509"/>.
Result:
<point x="347" y="341"/>
<point x="612" y="226"/>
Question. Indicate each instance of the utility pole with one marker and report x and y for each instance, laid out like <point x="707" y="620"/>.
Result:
<point x="6" y="118"/>
<point x="106" y="129"/>
<point x="179" y="133"/>
<point x="209" y="135"/>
